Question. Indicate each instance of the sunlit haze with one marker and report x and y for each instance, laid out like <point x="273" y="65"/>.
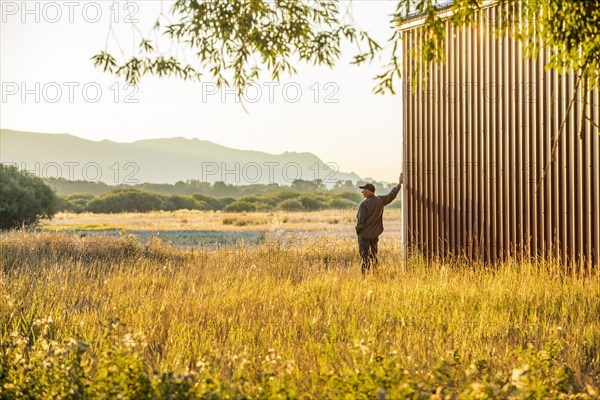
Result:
<point x="50" y="85"/>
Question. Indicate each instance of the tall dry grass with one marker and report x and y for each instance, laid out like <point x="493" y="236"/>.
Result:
<point x="286" y="319"/>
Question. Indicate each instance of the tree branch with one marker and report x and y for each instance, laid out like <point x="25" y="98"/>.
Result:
<point x="559" y="134"/>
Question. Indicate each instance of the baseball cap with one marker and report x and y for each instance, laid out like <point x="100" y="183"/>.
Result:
<point x="368" y="186"/>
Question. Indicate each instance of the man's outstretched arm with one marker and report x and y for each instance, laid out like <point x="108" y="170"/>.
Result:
<point x="388" y="198"/>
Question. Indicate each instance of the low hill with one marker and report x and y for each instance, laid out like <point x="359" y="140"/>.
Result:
<point x="158" y="161"/>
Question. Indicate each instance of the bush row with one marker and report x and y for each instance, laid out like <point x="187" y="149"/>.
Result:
<point x="132" y="200"/>
<point x="217" y="189"/>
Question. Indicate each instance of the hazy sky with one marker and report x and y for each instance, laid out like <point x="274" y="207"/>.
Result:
<point x="50" y="85"/>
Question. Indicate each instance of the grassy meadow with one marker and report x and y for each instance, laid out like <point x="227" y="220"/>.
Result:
<point x="92" y="308"/>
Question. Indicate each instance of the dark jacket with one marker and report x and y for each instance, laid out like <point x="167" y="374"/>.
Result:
<point x="369" y="223"/>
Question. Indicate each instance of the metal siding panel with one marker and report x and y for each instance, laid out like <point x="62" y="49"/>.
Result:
<point x="438" y="133"/>
<point x="447" y="120"/>
<point x="481" y="147"/>
<point x="544" y="195"/>
<point x="484" y="132"/>
<point x="557" y="169"/>
<point x="549" y="179"/>
<point x="411" y="147"/>
<point x="595" y="168"/>
<point x="453" y="174"/>
<point x="470" y="101"/>
<point x="498" y="141"/>
<point x="550" y="175"/>
<point x="423" y="163"/>
<point x="407" y="122"/>
<point x="493" y="100"/>
<point x="473" y="143"/>
<point x="559" y="160"/>
<point x="527" y="119"/>
<point x="408" y="105"/>
<point x="428" y="227"/>
<point x="569" y="136"/>
<point x="462" y="144"/>
<point x="517" y="166"/>
<point x="415" y="142"/>
<point x="432" y="157"/>
<point x="586" y="184"/>
<point x="443" y="156"/>
<point x="536" y="133"/>
<point x="410" y="136"/>
<point x="474" y="154"/>
<point x="506" y="133"/>
<point x="510" y="151"/>
<point x="417" y="159"/>
<point x="421" y="154"/>
<point x="578" y="177"/>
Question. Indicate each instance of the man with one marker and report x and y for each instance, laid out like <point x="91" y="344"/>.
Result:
<point x="369" y="223"/>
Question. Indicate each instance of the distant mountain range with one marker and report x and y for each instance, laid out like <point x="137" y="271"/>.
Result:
<point x="158" y="161"/>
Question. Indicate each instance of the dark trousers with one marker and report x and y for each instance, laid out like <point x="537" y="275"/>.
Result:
<point x="367" y="248"/>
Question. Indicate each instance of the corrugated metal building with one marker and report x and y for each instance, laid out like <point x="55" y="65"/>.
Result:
<point x="477" y="138"/>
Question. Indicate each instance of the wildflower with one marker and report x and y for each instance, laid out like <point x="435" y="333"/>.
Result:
<point x="129" y="341"/>
<point x="361" y="346"/>
<point x="290" y="367"/>
<point x="43" y="322"/>
<point x="517" y="376"/>
<point x="201" y="365"/>
<point x="477" y="388"/>
<point x="471" y="371"/>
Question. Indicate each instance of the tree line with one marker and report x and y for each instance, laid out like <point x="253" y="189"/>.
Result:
<point x="26" y="199"/>
<point x="190" y="187"/>
<point x="135" y="200"/>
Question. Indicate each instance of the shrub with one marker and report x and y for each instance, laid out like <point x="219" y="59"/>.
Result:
<point x="63" y="204"/>
<point x="240" y="206"/>
<point x="291" y="205"/>
<point x="175" y="202"/>
<point x="276" y="198"/>
<point x="79" y="201"/>
<point x="312" y="203"/>
<point x="213" y="203"/>
<point x="24" y="198"/>
<point x="76" y="203"/>
<point x="352" y="196"/>
<point x="260" y="203"/>
<point x="341" y="203"/>
<point x="128" y="200"/>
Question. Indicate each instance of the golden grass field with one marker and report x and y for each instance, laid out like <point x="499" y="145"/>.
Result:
<point x="327" y="221"/>
<point x="290" y="316"/>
